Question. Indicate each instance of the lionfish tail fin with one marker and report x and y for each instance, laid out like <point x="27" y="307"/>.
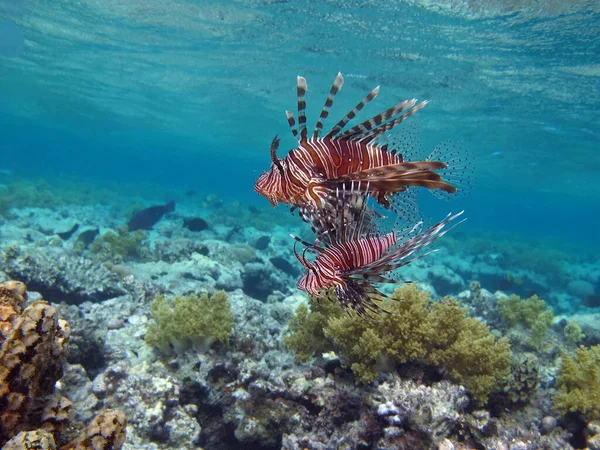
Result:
<point x="335" y="87"/>
<point x="458" y="170"/>
<point x="301" y="90"/>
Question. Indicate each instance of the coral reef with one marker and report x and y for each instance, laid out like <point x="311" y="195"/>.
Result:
<point x="196" y="320"/>
<point x="437" y="334"/>
<point x="59" y="276"/>
<point x="522" y="383"/>
<point x="578" y="383"/>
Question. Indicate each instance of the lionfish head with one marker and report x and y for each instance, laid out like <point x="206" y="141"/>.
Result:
<point x="308" y="282"/>
<point x="266" y="186"/>
<point x="269" y="183"/>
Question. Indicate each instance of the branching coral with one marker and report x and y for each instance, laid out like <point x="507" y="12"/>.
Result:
<point x="438" y="334"/>
<point x="578" y="383"/>
<point x="573" y="332"/>
<point x="191" y="320"/>
<point x="33" y="345"/>
<point x="532" y="313"/>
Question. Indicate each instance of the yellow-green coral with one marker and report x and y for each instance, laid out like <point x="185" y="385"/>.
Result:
<point x="573" y="332"/>
<point x="438" y="334"/>
<point x="120" y="245"/>
<point x="578" y="383"/>
<point x="532" y="313"/>
<point x="307" y="337"/>
<point x="194" y="320"/>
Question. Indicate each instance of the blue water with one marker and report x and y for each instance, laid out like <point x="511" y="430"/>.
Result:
<point x="189" y="95"/>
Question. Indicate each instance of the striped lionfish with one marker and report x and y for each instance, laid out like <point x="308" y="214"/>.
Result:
<point x="319" y="165"/>
<point x="352" y="255"/>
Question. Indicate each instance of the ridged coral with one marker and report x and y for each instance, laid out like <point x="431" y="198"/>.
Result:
<point x="31" y="359"/>
<point x="33" y="348"/>
<point x="438" y="334"/>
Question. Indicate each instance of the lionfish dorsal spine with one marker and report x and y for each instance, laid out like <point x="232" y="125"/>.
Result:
<point x="301" y="90"/>
<point x="381" y="130"/>
<point x="335" y="87"/>
<point x="292" y="123"/>
<point x="348" y="117"/>
<point x="363" y="128"/>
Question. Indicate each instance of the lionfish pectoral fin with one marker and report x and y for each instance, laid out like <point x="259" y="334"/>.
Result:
<point x="396" y="178"/>
<point x="458" y="171"/>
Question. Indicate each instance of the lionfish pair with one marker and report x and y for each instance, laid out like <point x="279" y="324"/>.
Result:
<point x="332" y="179"/>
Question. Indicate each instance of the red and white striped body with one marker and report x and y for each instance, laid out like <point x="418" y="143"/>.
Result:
<point x="317" y="159"/>
<point x="327" y="269"/>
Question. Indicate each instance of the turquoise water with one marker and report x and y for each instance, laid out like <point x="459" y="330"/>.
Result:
<point x="108" y="107"/>
<point x="188" y="95"/>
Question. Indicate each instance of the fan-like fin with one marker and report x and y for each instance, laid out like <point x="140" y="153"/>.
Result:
<point x="348" y="117"/>
<point x="337" y="85"/>
<point x="396" y="177"/>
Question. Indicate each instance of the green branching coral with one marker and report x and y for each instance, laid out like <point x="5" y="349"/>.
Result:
<point x="578" y="383"/>
<point x="306" y="327"/>
<point x="438" y="334"/>
<point x="532" y="313"/>
<point x="118" y="246"/>
<point x="192" y="320"/>
<point x="573" y="332"/>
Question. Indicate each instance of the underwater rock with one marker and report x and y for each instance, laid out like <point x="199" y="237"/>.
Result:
<point x="175" y="250"/>
<point x="262" y="243"/>
<point x="59" y="275"/>
<point x="260" y="281"/>
<point x="432" y="411"/>
<point x="65" y="235"/>
<point x="195" y="224"/>
<point x="581" y="288"/>
<point x="151" y="398"/>
<point x="148" y="217"/>
<point x="285" y="266"/>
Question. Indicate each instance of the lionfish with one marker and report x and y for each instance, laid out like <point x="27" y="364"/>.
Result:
<point x="319" y="165"/>
<point x="351" y="255"/>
